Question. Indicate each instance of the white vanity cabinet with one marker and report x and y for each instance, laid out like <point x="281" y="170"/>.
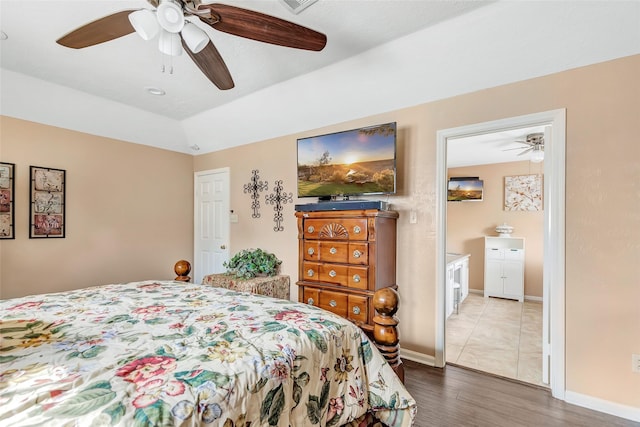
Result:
<point x="457" y="273"/>
<point x="504" y="267"/>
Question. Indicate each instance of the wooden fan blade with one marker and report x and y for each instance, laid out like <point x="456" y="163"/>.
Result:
<point x="212" y="65"/>
<point x="261" y="27"/>
<point x="99" y="31"/>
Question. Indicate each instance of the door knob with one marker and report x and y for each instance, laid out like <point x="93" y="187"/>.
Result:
<point x="223" y="247"/>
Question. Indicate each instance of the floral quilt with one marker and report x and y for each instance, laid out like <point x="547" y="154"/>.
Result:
<point x="168" y="353"/>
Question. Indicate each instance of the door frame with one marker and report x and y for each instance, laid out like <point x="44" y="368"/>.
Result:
<point x="225" y="170"/>
<point x="554" y="232"/>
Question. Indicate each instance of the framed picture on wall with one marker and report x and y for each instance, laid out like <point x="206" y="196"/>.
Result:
<point x="47" y="207"/>
<point x="7" y="205"/>
<point x="523" y="193"/>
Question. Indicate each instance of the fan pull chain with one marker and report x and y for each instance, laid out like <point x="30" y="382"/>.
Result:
<point x="163" y="68"/>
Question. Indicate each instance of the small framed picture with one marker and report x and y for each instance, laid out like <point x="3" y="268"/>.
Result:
<point x="7" y="205"/>
<point x="523" y="193"/>
<point x="47" y="208"/>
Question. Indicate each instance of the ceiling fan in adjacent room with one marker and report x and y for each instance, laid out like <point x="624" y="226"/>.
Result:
<point x="534" y="144"/>
<point x="175" y="32"/>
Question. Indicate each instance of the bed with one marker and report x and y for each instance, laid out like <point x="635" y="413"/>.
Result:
<point x="163" y="353"/>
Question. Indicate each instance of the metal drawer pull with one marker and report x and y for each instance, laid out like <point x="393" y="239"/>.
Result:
<point x="333" y="251"/>
<point x="356" y="310"/>
<point x="310" y="229"/>
<point x="332" y="273"/>
<point x="356" y="278"/>
<point x="310" y="272"/>
<point x="357" y="229"/>
<point x="333" y="303"/>
<point x="310" y="251"/>
<point x="310" y="301"/>
<point x="357" y="253"/>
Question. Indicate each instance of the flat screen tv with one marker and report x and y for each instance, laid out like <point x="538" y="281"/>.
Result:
<point x="464" y="190"/>
<point x="349" y="163"/>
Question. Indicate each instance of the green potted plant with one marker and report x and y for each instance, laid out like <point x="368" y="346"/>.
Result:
<point x="250" y="263"/>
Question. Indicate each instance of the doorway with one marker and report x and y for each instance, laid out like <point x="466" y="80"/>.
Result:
<point x="211" y="222"/>
<point x="497" y="325"/>
<point x="553" y="276"/>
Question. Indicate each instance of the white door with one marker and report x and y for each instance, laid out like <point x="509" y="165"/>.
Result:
<point x="211" y="222"/>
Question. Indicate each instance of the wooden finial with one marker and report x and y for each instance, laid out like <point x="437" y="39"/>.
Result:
<point x="182" y="269"/>
<point x="385" y="331"/>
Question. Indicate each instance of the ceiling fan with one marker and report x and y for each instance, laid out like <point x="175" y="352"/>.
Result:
<point x="176" y="33"/>
<point x="534" y="144"/>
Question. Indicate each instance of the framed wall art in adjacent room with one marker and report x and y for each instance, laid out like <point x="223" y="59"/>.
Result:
<point x="523" y="193"/>
<point x="7" y="205"/>
<point x="47" y="207"/>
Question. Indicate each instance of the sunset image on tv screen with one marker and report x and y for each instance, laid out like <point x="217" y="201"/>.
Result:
<point x="355" y="162"/>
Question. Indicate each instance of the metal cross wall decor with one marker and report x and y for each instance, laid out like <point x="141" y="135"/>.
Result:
<point x="278" y="198"/>
<point x="254" y="187"/>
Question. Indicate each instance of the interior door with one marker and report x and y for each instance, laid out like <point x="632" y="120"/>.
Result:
<point x="211" y="222"/>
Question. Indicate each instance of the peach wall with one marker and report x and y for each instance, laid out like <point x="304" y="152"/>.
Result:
<point x="129" y="211"/>
<point x="469" y="222"/>
<point x="602" y="225"/>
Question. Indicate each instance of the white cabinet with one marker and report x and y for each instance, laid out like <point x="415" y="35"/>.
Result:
<point x="504" y="267"/>
<point x="457" y="273"/>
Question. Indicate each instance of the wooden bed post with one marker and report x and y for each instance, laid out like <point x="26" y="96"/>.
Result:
<point x="182" y="269"/>
<point x="385" y="331"/>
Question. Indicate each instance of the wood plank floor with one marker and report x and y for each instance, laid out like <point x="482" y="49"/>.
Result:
<point x="455" y="396"/>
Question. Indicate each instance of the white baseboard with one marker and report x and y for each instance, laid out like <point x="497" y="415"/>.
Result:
<point x="526" y="297"/>
<point x="623" y="411"/>
<point x="414" y="356"/>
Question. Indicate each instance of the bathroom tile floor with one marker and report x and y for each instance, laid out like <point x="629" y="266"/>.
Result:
<point x="499" y="336"/>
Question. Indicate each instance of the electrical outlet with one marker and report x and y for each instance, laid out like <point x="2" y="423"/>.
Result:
<point x="635" y="363"/>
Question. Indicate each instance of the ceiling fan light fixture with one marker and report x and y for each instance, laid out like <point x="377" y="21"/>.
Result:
<point x="194" y="37"/>
<point x="170" y="16"/>
<point x="145" y="23"/>
<point x="537" y="155"/>
<point x="169" y="43"/>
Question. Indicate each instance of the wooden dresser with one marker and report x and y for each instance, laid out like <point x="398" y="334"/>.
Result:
<point x="344" y="257"/>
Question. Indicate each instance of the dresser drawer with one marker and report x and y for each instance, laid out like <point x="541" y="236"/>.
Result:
<point x="334" y="273"/>
<point x="358" y="253"/>
<point x="336" y="229"/>
<point x="317" y="250"/>
<point x="311" y="296"/>
<point x="335" y="302"/>
<point x="358" y="308"/>
<point x="327" y="273"/>
<point x="358" y="277"/>
<point x="334" y="251"/>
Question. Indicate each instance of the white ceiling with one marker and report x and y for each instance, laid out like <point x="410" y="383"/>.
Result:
<point x="381" y="55"/>
<point x="489" y="148"/>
